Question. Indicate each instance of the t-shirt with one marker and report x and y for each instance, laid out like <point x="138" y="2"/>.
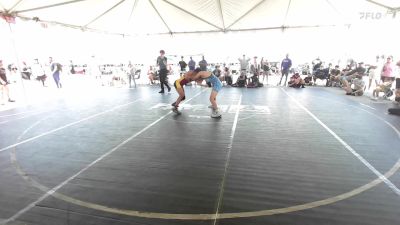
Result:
<point x="192" y="64"/>
<point x="244" y="63"/>
<point x="387" y="70"/>
<point x="360" y="70"/>
<point x="358" y="84"/>
<point x="162" y="62"/>
<point x="183" y="65"/>
<point x="203" y="65"/>
<point x="335" y="72"/>
<point x="217" y="72"/>
<point x="286" y="64"/>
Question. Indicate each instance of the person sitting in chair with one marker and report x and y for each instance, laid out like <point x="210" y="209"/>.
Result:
<point x="384" y="87"/>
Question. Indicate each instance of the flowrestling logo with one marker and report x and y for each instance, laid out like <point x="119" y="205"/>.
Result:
<point x="389" y="14"/>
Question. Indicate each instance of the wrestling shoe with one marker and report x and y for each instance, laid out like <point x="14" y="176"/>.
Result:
<point x="215" y="114"/>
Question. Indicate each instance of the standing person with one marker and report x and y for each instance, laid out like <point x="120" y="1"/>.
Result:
<point x="387" y="71"/>
<point x="3" y="84"/>
<point x="266" y="69"/>
<point x="162" y="64"/>
<point x="56" y="70"/>
<point x="13" y="74"/>
<point x="131" y="70"/>
<point x="183" y="66"/>
<point x="26" y="71"/>
<point x="203" y="64"/>
<point x="397" y="92"/>
<point x="285" y="68"/>
<point x="244" y="63"/>
<point x="192" y="64"/>
<point x="373" y="73"/>
<point x="94" y="68"/>
<point x="38" y="72"/>
<point x="216" y="87"/>
<point x="71" y="67"/>
<point x="255" y="69"/>
<point x="227" y="75"/>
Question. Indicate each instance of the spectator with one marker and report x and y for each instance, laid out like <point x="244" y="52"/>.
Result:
<point x="227" y="75"/>
<point x="56" y="70"/>
<point x="217" y="72"/>
<point x="373" y="73"/>
<point x="255" y="67"/>
<point x="26" y="71"/>
<point x="334" y="79"/>
<point x="296" y="81"/>
<point x="131" y="70"/>
<point x="285" y="68"/>
<point x="162" y="64"/>
<point x="358" y="86"/>
<point x="396" y="110"/>
<point x="94" y="68"/>
<point x="39" y="72"/>
<point x="192" y="64"/>
<point x="203" y="64"/>
<point x="151" y="75"/>
<point x="384" y="87"/>
<point x="71" y="67"/>
<point x="183" y="66"/>
<point x="360" y="70"/>
<point x="387" y="70"/>
<point x="241" y="81"/>
<point x="266" y="67"/>
<point x="13" y="75"/>
<point x="4" y="84"/>
<point x="244" y="63"/>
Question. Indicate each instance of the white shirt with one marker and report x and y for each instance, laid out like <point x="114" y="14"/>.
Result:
<point x="37" y="70"/>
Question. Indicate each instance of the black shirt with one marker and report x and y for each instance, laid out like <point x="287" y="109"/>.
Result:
<point x="183" y="65"/>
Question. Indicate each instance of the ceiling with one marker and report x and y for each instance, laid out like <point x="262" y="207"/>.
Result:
<point x="136" y="17"/>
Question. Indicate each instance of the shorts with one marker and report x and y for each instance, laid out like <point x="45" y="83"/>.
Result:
<point x="177" y="83"/>
<point x="215" y="83"/>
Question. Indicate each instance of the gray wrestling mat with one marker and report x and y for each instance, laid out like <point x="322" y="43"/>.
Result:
<point x="277" y="156"/>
